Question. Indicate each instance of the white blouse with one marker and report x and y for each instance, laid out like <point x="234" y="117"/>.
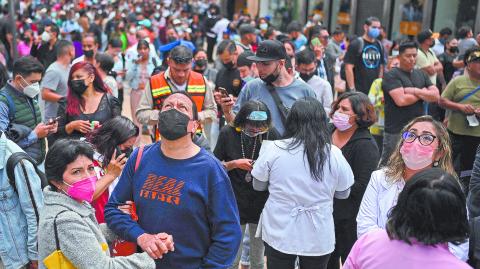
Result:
<point x="297" y="218"/>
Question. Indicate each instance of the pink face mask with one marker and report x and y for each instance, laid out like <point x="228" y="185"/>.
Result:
<point x="416" y="156"/>
<point x="341" y="121"/>
<point x="82" y="190"/>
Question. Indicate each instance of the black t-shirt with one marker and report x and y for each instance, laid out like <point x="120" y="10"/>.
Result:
<point x="397" y="117"/>
<point x="230" y="80"/>
<point x="367" y="62"/>
<point x="447" y="63"/>
<point x="250" y="202"/>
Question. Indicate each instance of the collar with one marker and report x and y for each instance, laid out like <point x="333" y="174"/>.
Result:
<point x="14" y="90"/>
<point x="170" y="81"/>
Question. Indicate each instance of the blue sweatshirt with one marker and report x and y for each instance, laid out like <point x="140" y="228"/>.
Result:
<point x="190" y="199"/>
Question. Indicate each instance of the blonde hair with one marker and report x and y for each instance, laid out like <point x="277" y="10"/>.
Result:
<point x="395" y="165"/>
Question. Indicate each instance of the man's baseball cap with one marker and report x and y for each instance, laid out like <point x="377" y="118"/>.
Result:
<point x="246" y="29"/>
<point x="269" y="50"/>
<point x="242" y="59"/>
<point x="424" y="35"/>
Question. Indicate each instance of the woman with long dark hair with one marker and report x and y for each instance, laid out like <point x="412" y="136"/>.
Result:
<point x="114" y="138"/>
<point x="430" y="213"/>
<point x="302" y="172"/>
<point x="89" y="102"/>
<point x="238" y="147"/>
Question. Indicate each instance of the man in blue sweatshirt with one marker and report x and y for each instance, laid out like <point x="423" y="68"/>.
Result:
<point x="179" y="189"/>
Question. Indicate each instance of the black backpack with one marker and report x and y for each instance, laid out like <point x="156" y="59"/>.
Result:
<point x="21" y="157"/>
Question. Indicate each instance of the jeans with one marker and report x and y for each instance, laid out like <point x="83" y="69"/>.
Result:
<point x="256" y="249"/>
<point x="245" y="258"/>
<point x="390" y="141"/>
<point x="279" y="260"/>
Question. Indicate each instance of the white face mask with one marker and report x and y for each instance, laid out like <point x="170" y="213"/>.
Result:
<point x="31" y="90"/>
<point x="46" y="37"/>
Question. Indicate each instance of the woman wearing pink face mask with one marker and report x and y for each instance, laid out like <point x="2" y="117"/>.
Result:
<point x="425" y="143"/>
<point x="352" y="114"/>
<point x="84" y="243"/>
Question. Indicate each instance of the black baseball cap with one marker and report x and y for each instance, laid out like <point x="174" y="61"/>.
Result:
<point x="242" y="59"/>
<point x="246" y="29"/>
<point x="269" y="50"/>
<point x="424" y="35"/>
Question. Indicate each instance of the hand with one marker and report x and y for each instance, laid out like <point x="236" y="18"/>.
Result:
<point x="116" y="164"/>
<point x="141" y="85"/>
<point x="152" y="245"/>
<point x="225" y="102"/>
<point x="126" y="208"/>
<point x="53" y="127"/>
<point x="33" y="264"/>
<point x="83" y="126"/>
<point x="244" y="164"/>
<point x="43" y="130"/>
<point x="467" y="109"/>
<point x="477" y="112"/>
<point x="167" y="240"/>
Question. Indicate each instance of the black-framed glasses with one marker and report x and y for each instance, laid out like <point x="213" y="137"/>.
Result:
<point x="424" y="139"/>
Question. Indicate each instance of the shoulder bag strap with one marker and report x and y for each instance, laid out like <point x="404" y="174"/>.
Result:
<point x="139" y="158"/>
<point x="281" y="107"/>
<point x="468" y="95"/>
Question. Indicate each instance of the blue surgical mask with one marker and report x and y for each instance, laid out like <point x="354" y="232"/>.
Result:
<point x="373" y="32"/>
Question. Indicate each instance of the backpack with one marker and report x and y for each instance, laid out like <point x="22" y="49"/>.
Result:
<point x="343" y="75"/>
<point x="21" y="157"/>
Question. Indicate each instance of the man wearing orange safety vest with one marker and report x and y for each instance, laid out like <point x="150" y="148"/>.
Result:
<point x="178" y="77"/>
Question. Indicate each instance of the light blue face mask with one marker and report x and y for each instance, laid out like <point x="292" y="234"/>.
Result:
<point x="373" y="32"/>
<point x="257" y="116"/>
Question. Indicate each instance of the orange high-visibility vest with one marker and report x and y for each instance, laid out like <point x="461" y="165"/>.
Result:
<point x="160" y="89"/>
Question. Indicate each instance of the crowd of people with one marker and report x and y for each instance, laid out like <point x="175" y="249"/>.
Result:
<point x="163" y="134"/>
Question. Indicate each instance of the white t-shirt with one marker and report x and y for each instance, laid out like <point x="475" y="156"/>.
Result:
<point x="297" y="218"/>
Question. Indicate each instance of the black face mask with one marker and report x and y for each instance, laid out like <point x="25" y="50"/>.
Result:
<point x="307" y="77"/>
<point x="201" y="63"/>
<point x="171" y="39"/>
<point x="78" y="86"/>
<point x="454" y="49"/>
<point x="127" y="152"/>
<point x="271" y="78"/>
<point x="88" y="53"/>
<point x="229" y="65"/>
<point x="172" y="124"/>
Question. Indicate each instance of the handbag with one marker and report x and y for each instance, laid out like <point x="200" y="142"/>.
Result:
<point x="122" y="247"/>
<point x="57" y="260"/>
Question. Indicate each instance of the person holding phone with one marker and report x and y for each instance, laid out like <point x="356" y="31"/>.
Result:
<point x="88" y="101"/>
<point x="113" y="143"/>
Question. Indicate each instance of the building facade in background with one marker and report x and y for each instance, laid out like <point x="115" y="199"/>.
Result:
<point x="401" y="18"/>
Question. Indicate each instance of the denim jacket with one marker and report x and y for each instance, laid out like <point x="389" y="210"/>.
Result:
<point x="134" y="72"/>
<point x="18" y="223"/>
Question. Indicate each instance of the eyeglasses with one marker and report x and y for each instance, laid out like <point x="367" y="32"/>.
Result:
<point x="424" y="139"/>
